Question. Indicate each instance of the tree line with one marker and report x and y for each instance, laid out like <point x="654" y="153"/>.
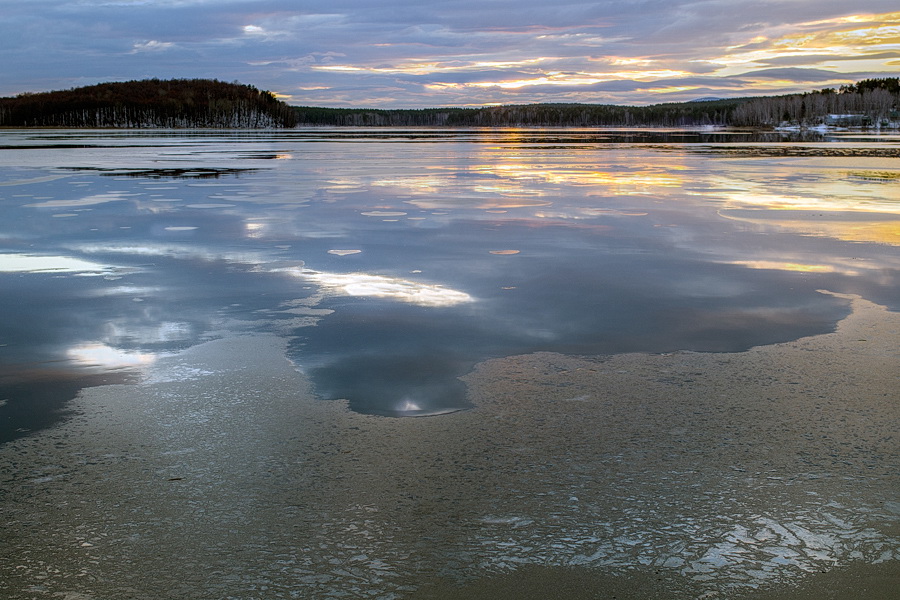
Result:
<point x="873" y="102"/>
<point x="210" y="103"/>
<point x="685" y="114"/>
<point x="150" y="103"/>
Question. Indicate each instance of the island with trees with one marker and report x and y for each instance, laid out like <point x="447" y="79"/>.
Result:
<point x="150" y="103"/>
<point x="203" y="103"/>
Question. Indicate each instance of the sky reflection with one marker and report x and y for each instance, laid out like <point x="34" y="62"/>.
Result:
<point x="396" y="260"/>
<point x="103" y="357"/>
<point x="27" y="263"/>
<point x="362" y="285"/>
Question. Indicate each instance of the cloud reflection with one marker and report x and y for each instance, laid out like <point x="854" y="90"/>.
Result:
<point x="853" y="226"/>
<point x="829" y="203"/>
<point x="569" y="242"/>
<point x="379" y="286"/>
<point x="786" y="266"/>
<point x="86" y="201"/>
<point x="101" y="356"/>
<point x="27" y="263"/>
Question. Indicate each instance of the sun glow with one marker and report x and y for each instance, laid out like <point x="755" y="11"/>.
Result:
<point x="624" y="61"/>
<point x="418" y="67"/>
<point x="540" y="76"/>
<point x="673" y="88"/>
<point x="506" y="185"/>
<point x="622" y="182"/>
<point x="577" y="79"/>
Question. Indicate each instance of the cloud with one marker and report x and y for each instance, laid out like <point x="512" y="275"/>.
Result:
<point x="151" y="46"/>
<point x="418" y="53"/>
<point x="794" y="74"/>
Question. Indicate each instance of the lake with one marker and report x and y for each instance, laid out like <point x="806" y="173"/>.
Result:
<point x="392" y="263"/>
<point x="396" y="260"/>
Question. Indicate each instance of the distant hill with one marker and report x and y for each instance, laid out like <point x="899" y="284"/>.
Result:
<point x="150" y="103"/>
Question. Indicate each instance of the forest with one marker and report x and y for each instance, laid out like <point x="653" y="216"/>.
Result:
<point x="204" y="103"/>
<point x="713" y="112"/>
<point x="150" y="103"/>
<point x="871" y="102"/>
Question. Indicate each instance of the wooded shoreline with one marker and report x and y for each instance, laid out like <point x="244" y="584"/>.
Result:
<point x="202" y="103"/>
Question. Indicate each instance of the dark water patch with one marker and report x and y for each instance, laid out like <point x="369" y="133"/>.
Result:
<point x="818" y="151"/>
<point x="262" y="156"/>
<point x="36" y="397"/>
<point x="167" y="173"/>
<point x="397" y="385"/>
<point x="73" y="145"/>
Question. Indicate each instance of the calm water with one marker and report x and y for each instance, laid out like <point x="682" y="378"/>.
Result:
<point x="395" y="260"/>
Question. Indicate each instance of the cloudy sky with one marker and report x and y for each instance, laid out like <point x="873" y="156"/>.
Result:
<point x="421" y="53"/>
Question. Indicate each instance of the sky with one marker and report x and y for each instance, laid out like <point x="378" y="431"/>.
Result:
<point x="435" y="53"/>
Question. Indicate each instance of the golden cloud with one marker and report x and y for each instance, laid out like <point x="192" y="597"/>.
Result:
<point x="841" y="38"/>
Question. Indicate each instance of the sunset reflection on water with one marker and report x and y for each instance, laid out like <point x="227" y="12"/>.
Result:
<point x="431" y="250"/>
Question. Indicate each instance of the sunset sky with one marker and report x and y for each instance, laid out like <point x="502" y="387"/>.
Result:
<point x="423" y="53"/>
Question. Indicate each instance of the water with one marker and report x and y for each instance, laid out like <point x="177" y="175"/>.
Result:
<point x="390" y="266"/>
<point x="396" y="260"/>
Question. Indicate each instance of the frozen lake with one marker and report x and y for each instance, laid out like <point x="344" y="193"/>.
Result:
<point x="664" y="363"/>
<point x="395" y="260"/>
